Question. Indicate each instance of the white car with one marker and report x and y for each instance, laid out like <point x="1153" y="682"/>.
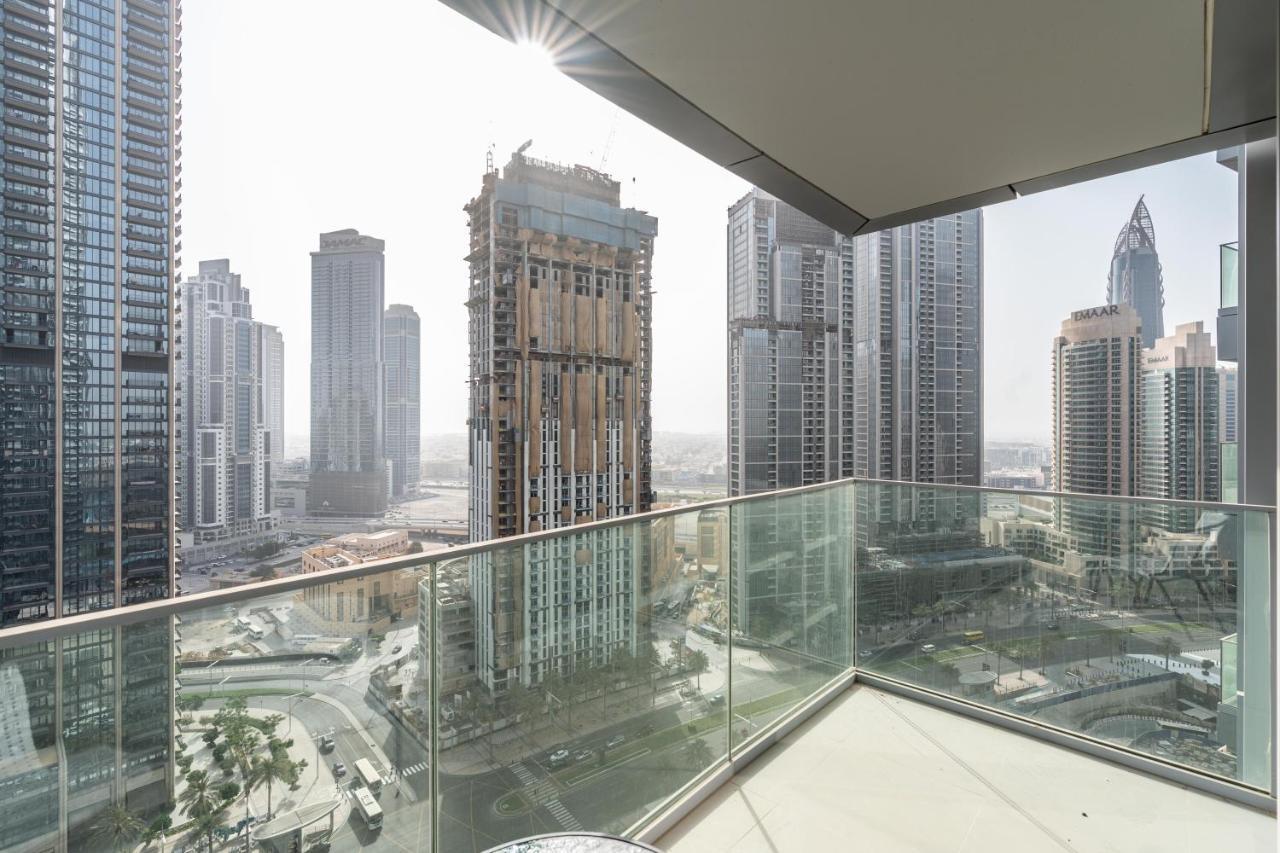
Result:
<point x="928" y="649"/>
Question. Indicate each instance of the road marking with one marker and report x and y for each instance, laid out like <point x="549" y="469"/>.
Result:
<point x="416" y="768"/>
<point x="544" y="793"/>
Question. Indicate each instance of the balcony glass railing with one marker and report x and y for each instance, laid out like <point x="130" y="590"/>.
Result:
<point x="582" y="679"/>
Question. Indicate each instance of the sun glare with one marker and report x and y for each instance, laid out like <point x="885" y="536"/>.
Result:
<point x="535" y="55"/>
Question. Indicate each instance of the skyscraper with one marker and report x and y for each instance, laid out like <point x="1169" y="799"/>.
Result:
<point x="1135" y="277"/>
<point x="401" y="332"/>
<point x="227" y="445"/>
<point x="271" y="357"/>
<point x="87" y="521"/>
<point x="917" y="380"/>
<point x="1180" y="433"/>
<point x="790" y="328"/>
<point x="1097" y="394"/>
<point x="917" y="365"/>
<point x="1228" y="388"/>
<point x="86" y="397"/>
<point x="561" y="365"/>
<point x="348" y="460"/>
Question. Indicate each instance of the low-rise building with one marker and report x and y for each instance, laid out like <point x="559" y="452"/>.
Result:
<point x="367" y="604"/>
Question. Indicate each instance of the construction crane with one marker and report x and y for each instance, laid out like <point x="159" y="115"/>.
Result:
<point x="608" y="143"/>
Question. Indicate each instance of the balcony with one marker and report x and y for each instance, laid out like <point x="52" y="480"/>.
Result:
<point x="843" y="667"/>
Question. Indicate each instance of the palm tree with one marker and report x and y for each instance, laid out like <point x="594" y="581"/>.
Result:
<point x="677" y="651"/>
<point x="699" y="753"/>
<point x="156" y="831"/>
<point x="205" y="824"/>
<point x="117" y="827"/>
<point x="275" y="768"/>
<point x="698" y="664"/>
<point x="1169" y="647"/>
<point x="200" y="796"/>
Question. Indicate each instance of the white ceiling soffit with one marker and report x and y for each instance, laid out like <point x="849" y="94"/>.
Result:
<point x="868" y="114"/>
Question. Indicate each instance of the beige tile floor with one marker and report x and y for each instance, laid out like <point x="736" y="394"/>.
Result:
<point x="876" y="772"/>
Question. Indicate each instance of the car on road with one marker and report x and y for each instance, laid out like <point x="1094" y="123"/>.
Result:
<point x="558" y="758"/>
<point x="326" y="743"/>
<point x="583" y="754"/>
<point x="928" y="649"/>
<point x="865" y="653"/>
<point x="396" y="649"/>
<point x="339" y="769"/>
<point x="715" y="700"/>
<point x="615" y="741"/>
<point x="1052" y="626"/>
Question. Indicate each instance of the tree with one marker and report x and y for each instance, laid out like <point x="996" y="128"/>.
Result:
<point x="1113" y="637"/>
<point x="228" y="790"/>
<point x="1169" y="647"/>
<point x="156" y="831"/>
<point x="117" y="828"/>
<point x="277" y="767"/>
<point x="199" y="797"/>
<point x="699" y="753"/>
<point x="677" y="652"/>
<point x="205" y="824"/>
<point x="698" y="664"/>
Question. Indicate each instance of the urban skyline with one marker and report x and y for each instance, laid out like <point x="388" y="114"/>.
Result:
<point x="1054" y="245"/>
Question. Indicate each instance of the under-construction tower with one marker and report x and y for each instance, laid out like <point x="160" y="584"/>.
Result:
<point x="559" y="306"/>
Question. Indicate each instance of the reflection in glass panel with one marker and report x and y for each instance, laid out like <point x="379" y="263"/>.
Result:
<point x="791" y="602"/>
<point x="1133" y="643"/>
<point x="571" y="693"/>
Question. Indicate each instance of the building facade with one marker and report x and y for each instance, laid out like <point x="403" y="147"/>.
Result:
<point x="559" y="305"/>
<point x="358" y="606"/>
<point x="790" y="352"/>
<point x="270" y="346"/>
<point x="1097" y="406"/>
<point x="401" y="343"/>
<point x="1135" y="277"/>
<point x="227" y="443"/>
<point x="1180" y="425"/>
<point x="348" y="458"/>
<point x="87" y="406"/>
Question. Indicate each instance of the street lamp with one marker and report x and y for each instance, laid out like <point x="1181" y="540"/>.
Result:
<point x="209" y="674"/>
<point x="304" y="665"/>
<point x="291" y="698"/>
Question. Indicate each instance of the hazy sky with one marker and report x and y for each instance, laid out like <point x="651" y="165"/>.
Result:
<point x="378" y="116"/>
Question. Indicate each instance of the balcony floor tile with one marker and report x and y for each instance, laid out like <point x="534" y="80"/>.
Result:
<point x="875" y="771"/>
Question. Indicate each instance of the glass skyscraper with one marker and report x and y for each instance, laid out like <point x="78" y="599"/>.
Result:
<point x="348" y="460"/>
<point x="227" y="445"/>
<point x="402" y="352"/>
<point x="1135" y="277"/>
<point x="86" y="398"/>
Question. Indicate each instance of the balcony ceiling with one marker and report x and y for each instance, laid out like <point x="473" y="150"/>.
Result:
<point x="868" y="114"/>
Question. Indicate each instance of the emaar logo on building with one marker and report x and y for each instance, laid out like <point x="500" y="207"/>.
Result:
<point x="1100" y="311"/>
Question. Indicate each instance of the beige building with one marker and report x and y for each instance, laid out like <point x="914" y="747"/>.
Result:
<point x="360" y="605"/>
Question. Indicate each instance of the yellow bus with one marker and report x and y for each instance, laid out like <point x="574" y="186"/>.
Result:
<point x="972" y="637"/>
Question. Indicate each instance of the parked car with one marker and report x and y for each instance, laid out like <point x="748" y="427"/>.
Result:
<point x="339" y="769"/>
<point x="716" y="700"/>
<point x="615" y="741"/>
<point x="583" y="754"/>
<point x="865" y="653"/>
<point x="326" y="743"/>
<point x="558" y="758"/>
<point x="928" y="649"/>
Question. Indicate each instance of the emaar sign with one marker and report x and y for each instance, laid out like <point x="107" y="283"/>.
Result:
<point x="1100" y="311"/>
